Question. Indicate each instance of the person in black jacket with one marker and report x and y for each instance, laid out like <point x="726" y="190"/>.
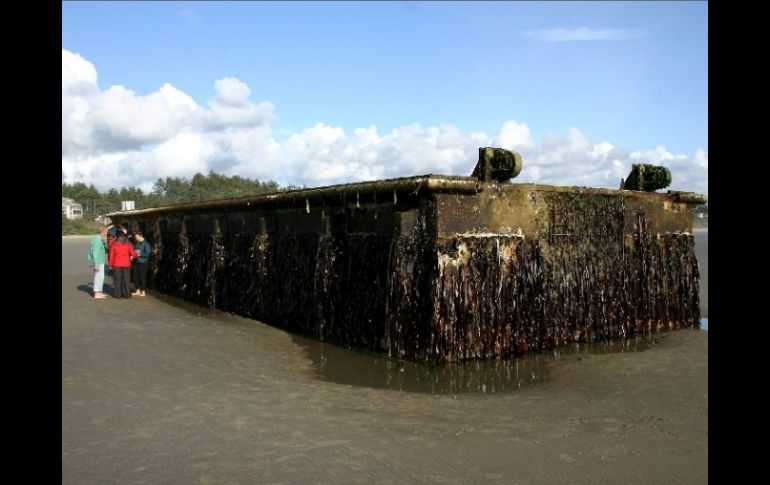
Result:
<point x="141" y="263"/>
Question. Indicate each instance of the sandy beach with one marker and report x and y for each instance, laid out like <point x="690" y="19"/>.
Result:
<point x="160" y="391"/>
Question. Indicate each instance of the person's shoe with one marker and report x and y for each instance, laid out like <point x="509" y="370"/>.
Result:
<point x="99" y="295"/>
<point x="142" y="294"/>
<point x="136" y="293"/>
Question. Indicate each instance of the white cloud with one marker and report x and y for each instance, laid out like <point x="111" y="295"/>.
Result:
<point x="231" y="107"/>
<point x="701" y="159"/>
<point x="514" y="135"/>
<point x="583" y="34"/>
<point x="121" y="119"/>
<point x="78" y="76"/>
<point x="231" y="92"/>
<point x="114" y="138"/>
<point x="117" y="119"/>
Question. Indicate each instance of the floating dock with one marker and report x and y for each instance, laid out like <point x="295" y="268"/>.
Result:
<point x="437" y="268"/>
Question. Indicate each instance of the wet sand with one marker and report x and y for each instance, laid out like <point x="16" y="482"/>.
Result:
<point x="174" y="393"/>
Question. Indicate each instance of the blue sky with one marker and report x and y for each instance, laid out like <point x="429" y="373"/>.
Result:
<point x="631" y="74"/>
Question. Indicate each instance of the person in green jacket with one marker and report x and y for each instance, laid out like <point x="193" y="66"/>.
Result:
<point x="97" y="256"/>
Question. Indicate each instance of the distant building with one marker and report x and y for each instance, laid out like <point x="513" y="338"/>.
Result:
<point x="103" y="220"/>
<point x="127" y="205"/>
<point x="702" y="211"/>
<point x="71" y="209"/>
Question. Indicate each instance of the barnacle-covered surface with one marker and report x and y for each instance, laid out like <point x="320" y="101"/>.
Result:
<point x="361" y="288"/>
<point x="441" y="276"/>
<point x="586" y="276"/>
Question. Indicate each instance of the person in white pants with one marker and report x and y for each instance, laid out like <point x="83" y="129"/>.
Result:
<point x="97" y="256"/>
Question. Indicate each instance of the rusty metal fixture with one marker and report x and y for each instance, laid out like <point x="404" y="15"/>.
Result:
<point x="497" y="164"/>
<point x="648" y="178"/>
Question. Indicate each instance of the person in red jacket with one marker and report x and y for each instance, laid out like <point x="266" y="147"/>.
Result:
<point x="121" y="253"/>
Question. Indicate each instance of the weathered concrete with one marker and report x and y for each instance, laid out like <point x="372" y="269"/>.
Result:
<point x="435" y="268"/>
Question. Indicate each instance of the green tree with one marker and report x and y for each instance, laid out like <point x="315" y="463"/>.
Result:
<point x="171" y="190"/>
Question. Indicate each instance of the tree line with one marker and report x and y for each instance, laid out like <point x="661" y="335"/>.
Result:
<point x="171" y="190"/>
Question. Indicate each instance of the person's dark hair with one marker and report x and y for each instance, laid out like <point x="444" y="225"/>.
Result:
<point x="122" y="238"/>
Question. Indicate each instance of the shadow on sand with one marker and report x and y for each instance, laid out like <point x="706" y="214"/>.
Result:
<point x="106" y="289"/>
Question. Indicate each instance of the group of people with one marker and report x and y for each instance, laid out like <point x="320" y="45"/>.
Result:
<point x="125" y="254"/>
